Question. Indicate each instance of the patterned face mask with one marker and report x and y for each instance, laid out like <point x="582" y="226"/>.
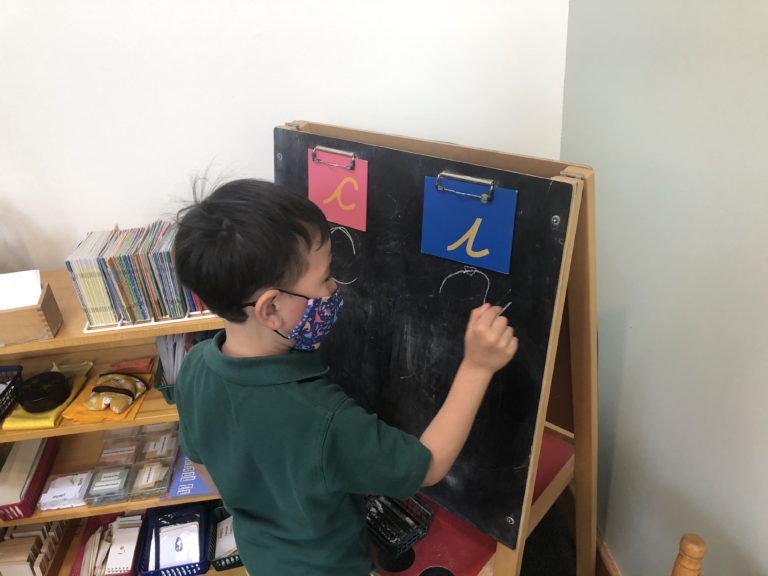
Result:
<point x="316" y="323"/>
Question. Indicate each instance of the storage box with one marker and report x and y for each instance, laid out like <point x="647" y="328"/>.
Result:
<point x="38" y="322"/>
<point x="226" y="562"/>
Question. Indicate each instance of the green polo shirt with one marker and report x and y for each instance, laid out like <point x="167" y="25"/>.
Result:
<point x="292" y="456"/>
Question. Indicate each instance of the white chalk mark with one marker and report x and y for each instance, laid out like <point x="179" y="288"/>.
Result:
<point x="354" y="251"/>
<point x="347" y="234"/>
<point x="469" y="271"/>
<point x="345" y="283"/>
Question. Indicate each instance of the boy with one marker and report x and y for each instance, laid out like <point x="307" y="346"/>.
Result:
<point x="290" y="453"/>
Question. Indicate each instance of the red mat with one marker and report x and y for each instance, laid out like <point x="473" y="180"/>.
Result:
<point x="460" y="547"/>
<point x="452" y="544"/>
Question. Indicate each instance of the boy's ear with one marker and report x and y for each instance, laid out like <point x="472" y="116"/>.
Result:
<point x="265" y="310"/>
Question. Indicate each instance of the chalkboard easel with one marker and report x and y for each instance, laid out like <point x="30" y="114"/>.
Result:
<point x="397" y="342"/>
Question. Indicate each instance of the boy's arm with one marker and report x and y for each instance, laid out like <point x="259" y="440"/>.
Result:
<point x="489" y="344"/>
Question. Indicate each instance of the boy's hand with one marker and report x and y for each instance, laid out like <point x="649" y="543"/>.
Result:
<point x="489" y="342"/>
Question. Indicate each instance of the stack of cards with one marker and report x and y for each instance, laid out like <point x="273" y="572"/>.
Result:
<point x="120" y="451"/>
<point x="151" y="478"/>
<point x="28" y="550"/>
<point x="65" y="491"/>
<point x="225" y="539"/>
<point x="134" y="463"/>
<point x="111" y="549"/>
<point x="152" y="473"/>
<point x="122" y="552"/>
<point x="160" y="445"/>
<point x="108" y="484"/>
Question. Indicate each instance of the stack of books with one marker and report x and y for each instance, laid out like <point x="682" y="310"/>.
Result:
<point x="24" y="468"/>
<point x="128" y="277"/>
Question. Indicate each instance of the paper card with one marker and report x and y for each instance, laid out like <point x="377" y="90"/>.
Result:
<point x="64" y="491"/>
<point x="179" y="544"/>
<point x="160" y="446"/>
<point x="341" y="193"/>
<point x="19" y="289"/>
<point x="459" y="227"/>
<point x="125" y="538"/>
<point x="149" y="475"/>
<point x="225" y="539"/>
<point x="108" y="481"/>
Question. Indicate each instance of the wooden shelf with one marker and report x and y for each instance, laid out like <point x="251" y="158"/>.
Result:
<point x="154" y="410"/>
<point x="71" y="335"/>
<point x="80" y="452"/>
<point x="85" y="511"/>
<point x="82" y="443"/>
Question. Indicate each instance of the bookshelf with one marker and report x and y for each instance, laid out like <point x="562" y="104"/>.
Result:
<point x="154" y="410"/>
<point x="81" y="443"/>
<point x="71" y="336"/>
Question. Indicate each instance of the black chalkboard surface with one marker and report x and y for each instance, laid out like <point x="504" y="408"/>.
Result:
<point x="399" y="340"/>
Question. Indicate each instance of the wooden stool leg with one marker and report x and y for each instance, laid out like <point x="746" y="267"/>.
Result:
<point x="692" y="550"/>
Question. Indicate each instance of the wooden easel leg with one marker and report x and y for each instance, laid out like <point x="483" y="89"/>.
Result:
<point x="582" y="309"/>
<point x="507" y="562"/>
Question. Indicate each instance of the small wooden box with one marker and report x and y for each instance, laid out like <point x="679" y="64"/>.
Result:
<point x="38" y="322"/>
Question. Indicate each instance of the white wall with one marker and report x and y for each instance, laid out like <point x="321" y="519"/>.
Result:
<point x="108" y="108"/>
<point x="667" y="101"/>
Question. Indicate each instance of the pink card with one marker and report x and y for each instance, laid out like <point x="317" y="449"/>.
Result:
<point x="339" y="190"/>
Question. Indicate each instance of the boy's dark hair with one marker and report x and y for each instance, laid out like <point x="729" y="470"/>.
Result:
<point x="245" y="235"/>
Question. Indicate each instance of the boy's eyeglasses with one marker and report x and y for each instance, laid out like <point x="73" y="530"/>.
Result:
<point x="253" y="302"/>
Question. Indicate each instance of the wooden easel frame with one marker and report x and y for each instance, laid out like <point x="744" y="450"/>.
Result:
<point x="574" y="328"/>
<point x="577" y="330"/>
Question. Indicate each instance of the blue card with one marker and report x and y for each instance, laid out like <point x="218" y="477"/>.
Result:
<point x="457" y="226"/>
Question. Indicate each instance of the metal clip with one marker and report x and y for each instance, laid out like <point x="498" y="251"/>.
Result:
<point x="350" y="155"/>
<point x="484" y="197"/>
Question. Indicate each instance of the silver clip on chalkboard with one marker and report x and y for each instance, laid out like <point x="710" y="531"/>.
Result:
<point x="484" y="197"/>
<point x="350" y="155"/>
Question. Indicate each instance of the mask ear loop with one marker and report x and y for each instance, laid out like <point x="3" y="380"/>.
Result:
<point x="275" y="305"/>
<point x="281" y="335"/>
<point x="253" y="304"/>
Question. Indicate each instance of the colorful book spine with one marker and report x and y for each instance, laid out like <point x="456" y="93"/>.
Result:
<point x="129" y="276"/>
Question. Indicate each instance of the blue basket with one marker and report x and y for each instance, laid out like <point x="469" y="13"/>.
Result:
<point x="12" y="375"/>
<point x="168" y="516"/>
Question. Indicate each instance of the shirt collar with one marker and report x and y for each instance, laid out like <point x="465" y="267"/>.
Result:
<point x="263" y="370"/>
